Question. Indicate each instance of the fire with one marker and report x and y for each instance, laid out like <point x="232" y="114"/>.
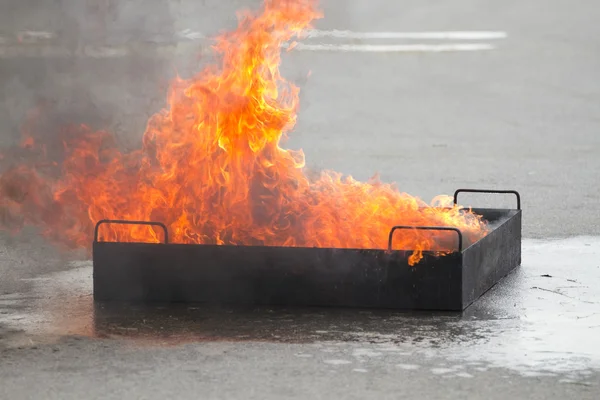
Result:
<point x="211" y="167"/>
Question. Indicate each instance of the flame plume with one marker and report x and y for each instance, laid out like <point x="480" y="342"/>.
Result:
<point x="211" y="168"/>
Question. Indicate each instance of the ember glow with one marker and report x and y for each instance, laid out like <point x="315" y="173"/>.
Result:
<point x="211" y="167"/>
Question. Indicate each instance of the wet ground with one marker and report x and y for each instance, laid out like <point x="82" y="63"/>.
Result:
<point x="538" y="327"/>
<point x="523" y="115"/>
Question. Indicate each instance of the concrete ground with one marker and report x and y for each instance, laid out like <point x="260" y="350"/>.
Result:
<point x="521" y="115"/>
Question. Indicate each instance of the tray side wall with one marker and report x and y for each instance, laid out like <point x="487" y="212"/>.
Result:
<point x="489" y="260"/>
<point x="275" y="276"/>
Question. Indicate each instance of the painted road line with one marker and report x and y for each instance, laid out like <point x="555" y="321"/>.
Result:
<point x="23" y="37"/>
<point x="345" y="34"/>
<point x="450" y="35"/>
<point x="106" y="52"/>
<point x="34" y="36"/>
<point x="395" y="48"/>
<point x="190" y="34"/>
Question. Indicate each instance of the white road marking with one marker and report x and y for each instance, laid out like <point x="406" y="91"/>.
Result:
<point x="450" y="35"/>
<point x="345" y="34"/>
<point x="17" y="45"/>
<point x="34" y="36"/>
<point x="117" y="52"/>
<point x="190" y="34"/>
<point x="394" y="48"/>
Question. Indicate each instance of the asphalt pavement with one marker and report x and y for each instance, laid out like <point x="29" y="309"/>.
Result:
<point x="517" y="111"/>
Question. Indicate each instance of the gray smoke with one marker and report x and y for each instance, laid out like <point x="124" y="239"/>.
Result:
<point x="105" y="63"/>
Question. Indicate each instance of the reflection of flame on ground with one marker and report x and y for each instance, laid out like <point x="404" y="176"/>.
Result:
<point x="211" y="167"/>
<point x="60" y="304"/>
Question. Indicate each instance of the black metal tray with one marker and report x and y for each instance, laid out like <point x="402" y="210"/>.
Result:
<point x="168" y="272"/>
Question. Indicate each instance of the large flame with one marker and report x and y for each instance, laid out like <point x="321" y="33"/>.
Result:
<point x="211" y="167"/>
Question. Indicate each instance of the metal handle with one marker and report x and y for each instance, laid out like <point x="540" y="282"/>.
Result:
<point x="125" y="222"/>
<point x="489" y="191"/>
<point x="427" y="228"/>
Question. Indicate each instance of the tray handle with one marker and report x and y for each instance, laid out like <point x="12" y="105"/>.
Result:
<point x="427" y="228"/>
<point x="126" y="222"/>
<point x="489" y="191"/>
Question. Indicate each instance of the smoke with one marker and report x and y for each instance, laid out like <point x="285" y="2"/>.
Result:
<point x="103" y="62"/>
<point x="106" y="63"/>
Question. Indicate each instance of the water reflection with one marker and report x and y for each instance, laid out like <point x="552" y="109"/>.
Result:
<point x="181" y="323"/>
<point x="542" y="317"/>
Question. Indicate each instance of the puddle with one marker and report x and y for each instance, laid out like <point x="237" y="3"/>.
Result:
<point x="542" y="319"/>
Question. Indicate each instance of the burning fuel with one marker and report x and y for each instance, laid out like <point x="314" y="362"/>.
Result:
<point x="211" y="167"/>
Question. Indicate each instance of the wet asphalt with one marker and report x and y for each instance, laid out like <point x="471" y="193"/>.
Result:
<point x="521" y="116"/>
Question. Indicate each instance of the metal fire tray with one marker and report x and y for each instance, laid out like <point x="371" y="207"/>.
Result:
<point x="169" y="272"/>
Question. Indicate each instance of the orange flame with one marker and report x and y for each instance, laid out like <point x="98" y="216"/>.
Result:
<point x="211" y="167"/>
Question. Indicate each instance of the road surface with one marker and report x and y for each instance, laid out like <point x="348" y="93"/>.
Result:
<point x="518" y="110"/>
